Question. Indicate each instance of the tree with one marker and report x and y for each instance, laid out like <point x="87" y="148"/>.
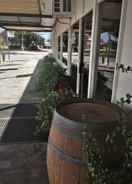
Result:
<point x="29" y="38"/>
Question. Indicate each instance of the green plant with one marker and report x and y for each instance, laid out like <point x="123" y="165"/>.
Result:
<point x="45" y="112"/>
<point x="125" y="100"/>
<point x="99" y="170"/>
<point x="54" y="86"/>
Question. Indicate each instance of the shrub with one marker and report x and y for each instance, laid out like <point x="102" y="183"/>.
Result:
<point x="99" y="172"/>
<point x="55" y="86"/>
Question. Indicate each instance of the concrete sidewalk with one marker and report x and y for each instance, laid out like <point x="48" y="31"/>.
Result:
<point x="23" y="164"/>
<point x="21" y="160"/>
<point x="18" y="84"/>
<point x="15" y="77"/>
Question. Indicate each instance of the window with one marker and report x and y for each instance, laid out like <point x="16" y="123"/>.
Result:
<point x="67" y="5"/>
<point x="57" y="7"/>
<point x="62" y="6"/>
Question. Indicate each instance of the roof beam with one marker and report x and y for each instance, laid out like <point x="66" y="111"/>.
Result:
<point x="32" y="30"/>
<point x="22" y="24"/>
<point x="25" y="15"/>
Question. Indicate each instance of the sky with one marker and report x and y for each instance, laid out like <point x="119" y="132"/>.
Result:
<point x="108" y="36"/>
<point x="45" y="35"/>
<point x="1" y="29"/>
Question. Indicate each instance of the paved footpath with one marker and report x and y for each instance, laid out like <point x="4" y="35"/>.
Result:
<point x="21" y="160"/>
<point x="16" y="75"/>
<point x="18" y="86"/>
<point x="23" y="164"/>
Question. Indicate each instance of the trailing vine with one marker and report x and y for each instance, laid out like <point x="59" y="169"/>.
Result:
<point x="99" y="169"/>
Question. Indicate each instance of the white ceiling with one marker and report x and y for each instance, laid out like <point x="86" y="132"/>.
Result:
<point x="20" y="14"/>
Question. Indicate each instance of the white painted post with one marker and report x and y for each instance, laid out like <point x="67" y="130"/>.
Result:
<point x="80" y="53"/>
<point x="61" y="47"/>
<point x="93" y="51"/>
<point x="7" y="40"/>
<point x="22" y="42"/>
<point x="119" y="48"/>
<point x="69" y="51"/>
<point x="54" y="44"/>
<point x="78" y="80"/>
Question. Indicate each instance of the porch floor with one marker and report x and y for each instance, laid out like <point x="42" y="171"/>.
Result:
<point x="23" y="163"/>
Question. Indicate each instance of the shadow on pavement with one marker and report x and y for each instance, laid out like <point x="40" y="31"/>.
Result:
<point x="6" y="107"/>
<point x="8" y="69"/>
<point x="25" y="75"/>
<point x="23" y="121"/>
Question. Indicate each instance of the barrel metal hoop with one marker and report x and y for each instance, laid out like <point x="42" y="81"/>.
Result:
<point x="61" y="155"/>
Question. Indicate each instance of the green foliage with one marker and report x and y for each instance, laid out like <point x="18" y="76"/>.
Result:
<point x="32" y="37"/>
<point x="125" y="100"/>
<point x="99" y="171"/>
<point x="50" y="75"/>
<point x="54" y="86"/>
<point x="28" y="39"/>
<point x="45" y="112"/>
<point x="2" y="43"/>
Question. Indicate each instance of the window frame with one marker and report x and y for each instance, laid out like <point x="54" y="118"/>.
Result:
<point x="63" y="11"/>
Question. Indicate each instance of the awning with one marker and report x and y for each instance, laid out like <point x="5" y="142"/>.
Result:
<point x="31" y="15"/>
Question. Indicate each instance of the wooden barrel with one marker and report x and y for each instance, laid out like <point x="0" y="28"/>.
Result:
<point x="65" y="156"/>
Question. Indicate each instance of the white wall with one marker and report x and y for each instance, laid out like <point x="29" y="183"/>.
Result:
<point x="79" y="9"/>
<point x="125" y="79"/>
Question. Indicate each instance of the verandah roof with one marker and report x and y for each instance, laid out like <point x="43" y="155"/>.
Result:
<point x="26" y="15"/>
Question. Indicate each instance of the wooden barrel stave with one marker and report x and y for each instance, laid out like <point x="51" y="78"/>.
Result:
<point x="66" y="162"/>
<point x="65" y="169"/>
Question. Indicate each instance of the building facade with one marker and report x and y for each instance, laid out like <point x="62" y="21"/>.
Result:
<point x="104" y="44"/>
